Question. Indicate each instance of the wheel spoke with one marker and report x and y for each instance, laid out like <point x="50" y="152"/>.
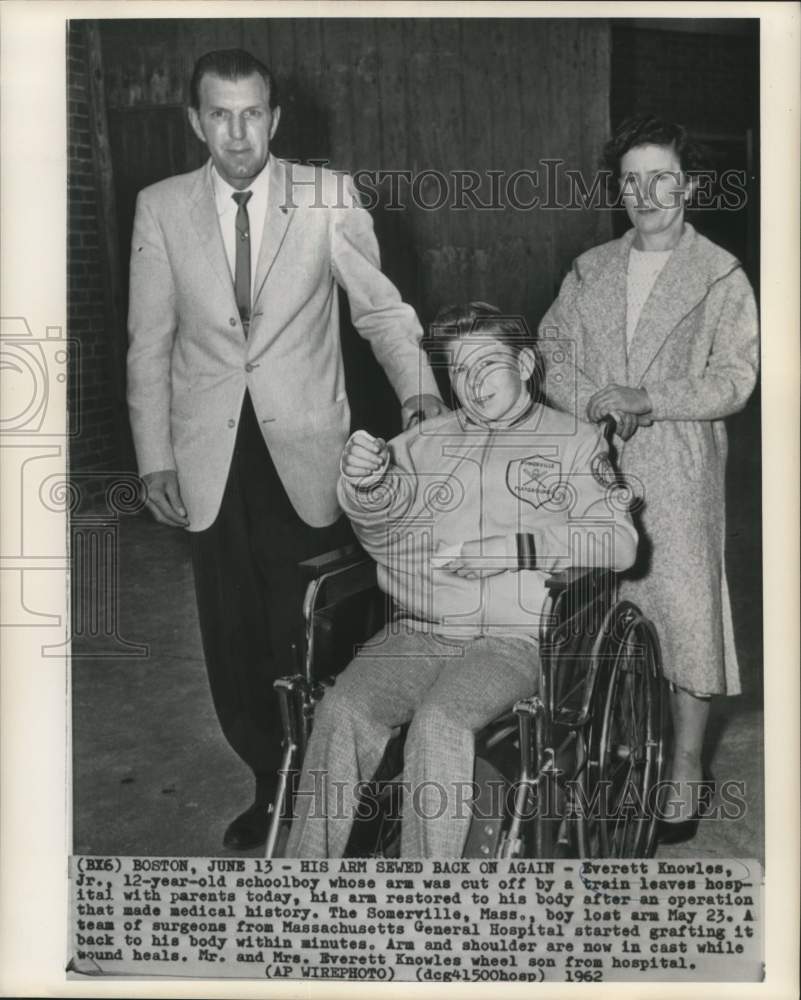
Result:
<point x="624" y="740"/>
<point x="627" y="750"/>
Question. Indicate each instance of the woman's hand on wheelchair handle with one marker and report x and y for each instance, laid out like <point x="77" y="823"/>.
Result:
<point x="618" y="399"/>
<point x="626" y="424"/>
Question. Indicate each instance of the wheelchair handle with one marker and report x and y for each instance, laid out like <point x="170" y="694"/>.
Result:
<point x="609" y="422"/>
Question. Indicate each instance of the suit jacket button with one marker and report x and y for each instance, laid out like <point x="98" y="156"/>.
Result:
<point x="232" y="321"/>
<point x="232" y="423"/>
<point x="248" y="367"/>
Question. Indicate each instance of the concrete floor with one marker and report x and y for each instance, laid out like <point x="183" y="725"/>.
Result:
<point x="152" y="774"/>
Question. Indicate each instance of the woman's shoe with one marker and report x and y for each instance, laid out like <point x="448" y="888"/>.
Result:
<point x="680" y="831"/>
<point x="677" y="833"/>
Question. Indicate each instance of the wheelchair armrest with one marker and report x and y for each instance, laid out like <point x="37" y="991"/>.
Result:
<point x="335" y="575"/>
<point x="342" y="607"/>
<point x="566" y="578"/>
<point x="335" y="559"/>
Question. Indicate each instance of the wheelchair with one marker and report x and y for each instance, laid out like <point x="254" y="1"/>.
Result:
<point x="571" y="772"/>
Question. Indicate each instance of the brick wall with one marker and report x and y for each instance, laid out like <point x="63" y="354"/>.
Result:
<point x="95" y="450"/>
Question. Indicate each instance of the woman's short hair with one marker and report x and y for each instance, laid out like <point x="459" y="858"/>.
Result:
<point x="649" y="130"/>
<point x="230" y="64"/>
<point x="479" y="319"/>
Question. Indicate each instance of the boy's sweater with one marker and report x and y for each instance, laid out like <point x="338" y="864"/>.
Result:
<point x="545" y="484"/>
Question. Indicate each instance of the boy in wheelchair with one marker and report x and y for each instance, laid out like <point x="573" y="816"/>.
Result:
<point x="465" y="515"/>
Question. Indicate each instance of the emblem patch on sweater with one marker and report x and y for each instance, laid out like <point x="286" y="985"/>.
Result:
<point x="533" y="479"/>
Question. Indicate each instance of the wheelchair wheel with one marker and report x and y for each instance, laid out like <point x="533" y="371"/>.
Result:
<point x="621" y="753"/>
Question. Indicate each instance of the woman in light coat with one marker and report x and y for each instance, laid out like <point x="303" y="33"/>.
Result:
<point x="659" y="327"/>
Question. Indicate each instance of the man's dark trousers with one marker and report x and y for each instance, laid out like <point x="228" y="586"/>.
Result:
<point x="249" y="596"/>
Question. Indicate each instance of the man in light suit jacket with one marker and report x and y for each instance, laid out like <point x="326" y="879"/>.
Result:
<point x="236" y="385"/>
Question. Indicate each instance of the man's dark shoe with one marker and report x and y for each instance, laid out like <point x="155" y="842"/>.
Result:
<point x="249" y="829"/>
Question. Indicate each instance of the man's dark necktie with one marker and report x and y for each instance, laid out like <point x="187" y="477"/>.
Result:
<point x="242" y="268"/>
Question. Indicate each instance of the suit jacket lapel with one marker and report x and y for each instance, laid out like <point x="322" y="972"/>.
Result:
<point x="204" y="218"/>
<point x="680" y="286"/>
<point x="276" y="222"/>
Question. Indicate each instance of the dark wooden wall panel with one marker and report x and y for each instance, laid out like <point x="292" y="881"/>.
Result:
<point x="709" y="83"/>
<point x="396" y="94"/>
